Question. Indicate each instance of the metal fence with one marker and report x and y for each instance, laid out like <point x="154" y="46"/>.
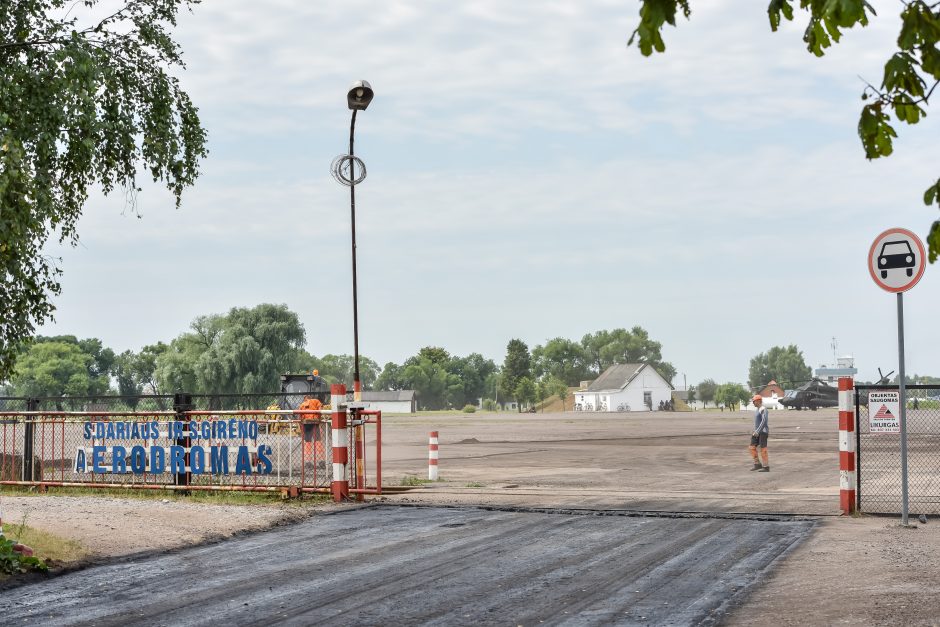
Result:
<point x="212" y="442"/>
<point x="878" y="460"/>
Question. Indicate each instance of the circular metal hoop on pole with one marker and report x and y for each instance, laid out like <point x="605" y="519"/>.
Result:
<point x="348" y="170"/>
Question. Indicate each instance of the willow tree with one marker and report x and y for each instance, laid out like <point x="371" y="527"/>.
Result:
<point x="911" y="74"/>
<point x="87" y="101"/>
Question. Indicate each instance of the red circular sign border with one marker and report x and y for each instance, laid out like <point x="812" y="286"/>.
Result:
<point x="923" y="257"/>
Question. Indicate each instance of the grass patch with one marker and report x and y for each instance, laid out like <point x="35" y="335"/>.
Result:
<point x="196" y="496"/>
<point x="474" y="484"/>
<point x="46" y="545"/>
<point x="415" y="481"/>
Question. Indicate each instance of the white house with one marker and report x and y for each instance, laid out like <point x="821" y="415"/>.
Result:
<point x="394" y="402"/>
<point x="625" y="387"/>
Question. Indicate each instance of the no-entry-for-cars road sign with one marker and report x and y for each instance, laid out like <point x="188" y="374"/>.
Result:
<point x="896" y="260"/>
<point x="896" y="263"/>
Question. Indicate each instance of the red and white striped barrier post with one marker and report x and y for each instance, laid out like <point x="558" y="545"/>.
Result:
<point x="432" y="456"/>
<point x="846" y="445"/>
<point x="340" y="484"/>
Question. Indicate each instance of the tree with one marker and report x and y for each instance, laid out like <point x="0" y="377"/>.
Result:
<point x="563" y="359"/>
<point x="730" y="394"/>
<point x="706" y="390"/>
<point x="145" y="366"/>
<point x="516" y="366"/>
<point x="911" y="74"/>
<point x="244" y="351"/>
<point x="785" y="365"/>
<point x="127" y="382"/>
<point x="433" y="385"/>
<point x="342" y="369"/>
<point x="98" y="359"/>
<point x="605" y="348"/>
<point x="562" y="393"/>
<point x="392" y="378"/>
<point x="54" y="369"/>
<point x="473" y="372"/>
<point x="690" y="398"/>
<point x="525" y="391"/>
<point x="83" y="103"/>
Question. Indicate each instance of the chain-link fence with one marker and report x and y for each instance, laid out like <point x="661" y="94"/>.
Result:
<point x="879" y="450"/>
<point x="247" y="442"/>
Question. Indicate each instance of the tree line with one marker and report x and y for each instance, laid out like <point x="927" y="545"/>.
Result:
<point x="247" y="349"/>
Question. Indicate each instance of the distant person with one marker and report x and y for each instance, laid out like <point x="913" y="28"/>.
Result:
<point x="759" y="435"/>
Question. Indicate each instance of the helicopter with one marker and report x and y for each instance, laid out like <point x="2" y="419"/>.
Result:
<point x="812" y="395"/>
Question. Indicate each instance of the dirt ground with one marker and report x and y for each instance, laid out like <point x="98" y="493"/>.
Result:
<point x="852" y="570"/>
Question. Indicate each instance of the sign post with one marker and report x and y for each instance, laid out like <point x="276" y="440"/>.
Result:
<point x="896" y="263"/>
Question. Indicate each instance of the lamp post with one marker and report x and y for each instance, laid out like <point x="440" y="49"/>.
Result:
<point x="344" y="171"/>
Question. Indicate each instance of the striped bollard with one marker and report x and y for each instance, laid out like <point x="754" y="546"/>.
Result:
<point x="846" y="445"/>
<point x="432" y="456"/>
<point x="340" y="484"/>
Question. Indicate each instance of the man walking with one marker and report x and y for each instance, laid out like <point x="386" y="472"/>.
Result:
<point x="759" y="435"/>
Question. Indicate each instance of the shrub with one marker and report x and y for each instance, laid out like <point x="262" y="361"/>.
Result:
<point x="469" y="409"/>
<point x="489" y="405"/>
<point x="13" y="562"/>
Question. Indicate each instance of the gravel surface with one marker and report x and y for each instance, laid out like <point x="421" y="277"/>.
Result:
<point x="111" y="527"/>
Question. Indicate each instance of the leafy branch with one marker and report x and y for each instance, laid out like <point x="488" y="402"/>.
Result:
<point x="910" y="78"/>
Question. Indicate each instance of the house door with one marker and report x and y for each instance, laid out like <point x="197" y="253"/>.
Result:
<point x="648" y="400"/>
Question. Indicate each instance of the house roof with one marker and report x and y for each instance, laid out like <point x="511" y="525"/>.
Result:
<point x="378" y="396"/>
<point x="618" y="376"/>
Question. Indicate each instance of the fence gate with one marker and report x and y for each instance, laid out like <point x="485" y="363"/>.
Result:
<point x="257" y="442"/>
<point x="878" y="457"/>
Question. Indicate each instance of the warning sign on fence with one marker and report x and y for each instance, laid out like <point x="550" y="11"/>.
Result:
<point x="883" y="411"/>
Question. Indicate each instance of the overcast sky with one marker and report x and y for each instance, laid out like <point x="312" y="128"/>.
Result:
<point x="529" y="176"/>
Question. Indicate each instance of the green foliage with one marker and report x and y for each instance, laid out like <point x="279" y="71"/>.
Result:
<point x="562" y="359"/>
<point x="342" y="369"/>
<point x="706" y="390"/>
<point x="53" y="366"/>
<point x="525" y="393"/>
<point x="434" y="386"/>
<point x="82" y="105"/>
<point x="731" y="394"/>
<point x="785" y="365"/>
<point x="439" y="379"/>
<point x="14" y="563"/>
<point x="243" y="351"/>
<point x="489" y="405"/>
<point x="691" y="395"/>
<point x="392" y="378"/>
<point x="605" y="348"/>
<point x="414" y="481"/>
<point x="469" y="409"/>
<point x="911" y="74"/>
<point x="516" y="366"/>
<point x="473" y="371"/>
<point x="561" y="391"/>
<point x="654" y="14"/>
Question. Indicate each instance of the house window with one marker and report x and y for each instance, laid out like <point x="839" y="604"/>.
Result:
<point x="648" y="399"/>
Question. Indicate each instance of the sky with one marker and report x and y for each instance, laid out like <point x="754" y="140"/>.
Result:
<point x="529" y="176"/>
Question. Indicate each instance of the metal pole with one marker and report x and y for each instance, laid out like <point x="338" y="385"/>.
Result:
<point x="903" y="412"/>
<point x="357" y="386"/>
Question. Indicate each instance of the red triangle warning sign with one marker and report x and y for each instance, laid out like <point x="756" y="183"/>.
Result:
<point x="884" y="413"/>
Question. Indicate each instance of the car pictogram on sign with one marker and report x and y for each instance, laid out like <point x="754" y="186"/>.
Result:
<point x="896" y="255"/>
<point x="896" y="260"/>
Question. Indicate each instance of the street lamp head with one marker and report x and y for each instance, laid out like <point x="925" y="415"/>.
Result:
<point x="359" y="96"/>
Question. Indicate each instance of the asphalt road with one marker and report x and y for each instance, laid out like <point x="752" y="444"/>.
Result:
<point x="395" y="565"/>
